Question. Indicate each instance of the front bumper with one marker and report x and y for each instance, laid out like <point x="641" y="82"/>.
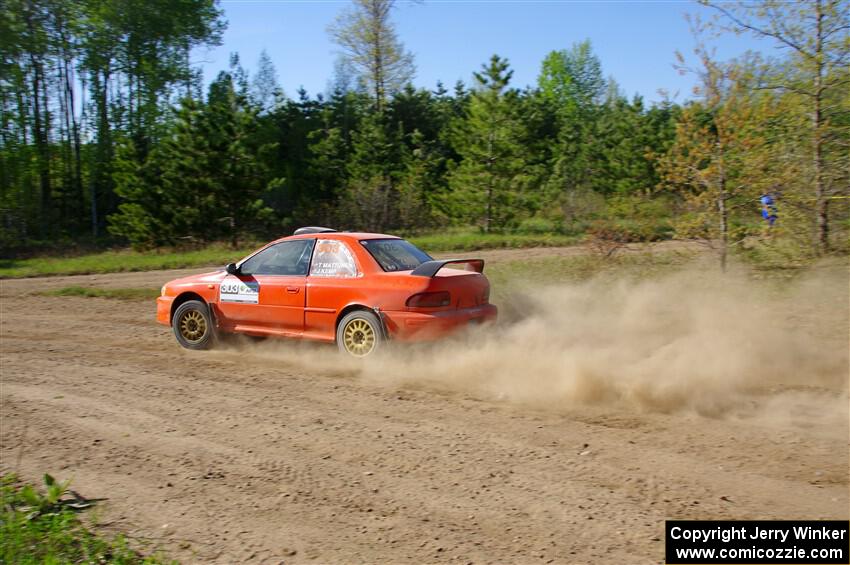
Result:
<point x="420" y="326"/>
<point x="163" y="309"/>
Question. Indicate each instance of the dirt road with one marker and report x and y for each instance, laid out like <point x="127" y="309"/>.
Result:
<point x="249" y="455"/>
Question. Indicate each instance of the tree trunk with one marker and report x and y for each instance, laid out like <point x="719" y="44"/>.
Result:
<point x="488" y="220"/>
<point x="75" y="134"/>
<point x="722" y="209"/>
<point x="821" y="201"/>
<point x="67" y="213"/>
<point x="25" y="189"/>
<point x="723" y="212"/>
<point x="100" y="87"/>
<point x="42" y="147"/>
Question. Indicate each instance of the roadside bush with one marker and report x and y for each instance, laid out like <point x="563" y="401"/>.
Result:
<point x="580" y="205"/>
<point x="537" y="225"/>
<point x="775" y="250"/>
<point x="43" y="527"/>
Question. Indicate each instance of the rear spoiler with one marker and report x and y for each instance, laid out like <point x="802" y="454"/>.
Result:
<point x="431" y="268"/>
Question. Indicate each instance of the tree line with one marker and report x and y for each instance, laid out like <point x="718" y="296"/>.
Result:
<point x="107" y="134"/>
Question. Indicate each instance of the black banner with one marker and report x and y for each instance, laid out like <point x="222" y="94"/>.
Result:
<point x="810" y="542"/>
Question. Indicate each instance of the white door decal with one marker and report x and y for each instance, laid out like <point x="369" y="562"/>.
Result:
<point x="232" y="289"/>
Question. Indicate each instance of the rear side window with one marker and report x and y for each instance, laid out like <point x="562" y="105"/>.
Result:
<point x="395" y="254"/>
<point x="332" y="259"/>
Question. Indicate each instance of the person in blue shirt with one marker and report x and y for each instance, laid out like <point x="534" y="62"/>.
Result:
<point x="768" y="209"/>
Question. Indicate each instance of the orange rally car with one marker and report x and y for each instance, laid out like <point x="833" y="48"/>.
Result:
<point x="355" y="289"/>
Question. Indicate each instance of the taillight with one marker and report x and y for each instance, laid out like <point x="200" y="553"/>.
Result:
<point x="430" y="299"/>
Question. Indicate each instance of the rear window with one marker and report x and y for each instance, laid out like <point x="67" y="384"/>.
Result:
<point x="395" y="254"/>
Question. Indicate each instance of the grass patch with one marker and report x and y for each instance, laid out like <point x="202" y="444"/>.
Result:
<point x="217" y="255"/>
<point x="474" y="241"/>
<point x="38" y="528"/>
<point x="119" y="261"/>
<point x="510" y="275"/>
<point x="116" y="293"/>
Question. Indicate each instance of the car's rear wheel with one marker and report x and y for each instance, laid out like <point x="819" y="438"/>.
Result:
<point x="193" y="326"/>
<point x="359" y="334"/>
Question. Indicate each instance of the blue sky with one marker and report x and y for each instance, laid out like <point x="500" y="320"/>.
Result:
<point x="450" y="39"/>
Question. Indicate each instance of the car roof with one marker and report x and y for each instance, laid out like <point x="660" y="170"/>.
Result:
<point x="343" y="235"/>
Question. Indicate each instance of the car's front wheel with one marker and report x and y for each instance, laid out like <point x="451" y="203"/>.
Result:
<point x="193" y="325"/>
<point x="359" y="334"/>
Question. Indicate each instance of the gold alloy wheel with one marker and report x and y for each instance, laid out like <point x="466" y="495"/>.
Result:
<point x="193" y="326"/>
<point x="358" y="337"/>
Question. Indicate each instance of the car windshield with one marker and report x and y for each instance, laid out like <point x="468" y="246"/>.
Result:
<point x="395" y="254"/>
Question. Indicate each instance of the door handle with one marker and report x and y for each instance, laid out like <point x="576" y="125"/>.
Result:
<point x="293" y="289"/>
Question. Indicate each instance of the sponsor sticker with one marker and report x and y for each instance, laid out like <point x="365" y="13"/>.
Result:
<point x="232" y="289"/>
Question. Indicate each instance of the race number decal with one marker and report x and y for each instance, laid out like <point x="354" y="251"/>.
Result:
<point x="332" y="259"/>
<point x="234" y="290"/>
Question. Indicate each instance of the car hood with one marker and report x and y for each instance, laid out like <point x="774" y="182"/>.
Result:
<point x="203" y="278"/>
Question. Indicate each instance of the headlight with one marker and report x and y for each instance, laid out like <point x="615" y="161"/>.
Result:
<point x="162" y="290"/>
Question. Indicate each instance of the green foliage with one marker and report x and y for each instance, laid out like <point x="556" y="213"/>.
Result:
<point x="370" y="198"/>
<point x="132" y="58"/>
<point x="604" y="144"/>
<point x="487" y="184"/>
<point x="204" y="183"/>
<point x="43" y="527"/>
<point x="572" y="79"/>
<point x="36" y="504"/>
<point x="640" y="218"/>
<point x="806" y="157"/>
<point x="375" y="153"/>
<point x="537" y="226"/>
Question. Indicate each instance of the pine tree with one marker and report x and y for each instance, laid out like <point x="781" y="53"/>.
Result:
<point x="572" y="82"/>
<point x="266" y="92"/>
<point x="370" y="198"/>
<point x="420" y="183"/>
<point x="487" y="183"/>
<point x="573" y="78"/>
<point x="205" y="182"/>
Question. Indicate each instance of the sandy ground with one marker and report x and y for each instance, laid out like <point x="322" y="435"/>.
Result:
<point x="233" y="456"/>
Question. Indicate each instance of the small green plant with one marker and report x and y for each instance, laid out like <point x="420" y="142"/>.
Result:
<point x="49" y="503"/>
<point x="38" y="527"/>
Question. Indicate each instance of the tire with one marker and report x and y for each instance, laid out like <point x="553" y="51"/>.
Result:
<point x="359" y="334"/>
<point x="193" y="325"/>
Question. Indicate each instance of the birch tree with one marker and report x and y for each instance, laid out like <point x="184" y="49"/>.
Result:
<point x="369" y="43"/>
<point x="816" y="33"/>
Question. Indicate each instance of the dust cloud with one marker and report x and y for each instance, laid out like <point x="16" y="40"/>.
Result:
<point x="715" y="345"/>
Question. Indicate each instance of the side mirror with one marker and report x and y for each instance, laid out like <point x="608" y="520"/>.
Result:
<point x="232" y="269"/>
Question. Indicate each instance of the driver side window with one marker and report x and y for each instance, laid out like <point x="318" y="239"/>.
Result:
<point x="285" y="258"/>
